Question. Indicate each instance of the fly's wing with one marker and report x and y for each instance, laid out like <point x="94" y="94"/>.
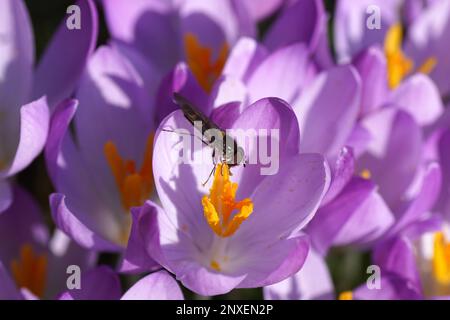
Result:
<point x="192" y="114"/>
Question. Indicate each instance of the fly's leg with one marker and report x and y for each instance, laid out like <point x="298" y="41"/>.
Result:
<point x="209" y="177"/>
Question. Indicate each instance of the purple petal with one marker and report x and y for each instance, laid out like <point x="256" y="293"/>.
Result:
<point x="276" y="117"/>
<point x="180" y="80"/>
<point x="5" y="195"/>
<point x="392" y="287"/>
<point x="79" y="228"/>
<point x="34" y="124"/>
<point x="357" y="215"/>
<point x="372" y="67"/>
<point x="397" y="256"/>
<point x="136" y="258"/>
<point x="419" y="96"/>
<point x="342" y="172"/>
<point x="262" y="9"/>
<point x="302" y="183"/>
<point x="424" y="200"/>
<point x="216" y="22"/>
<point x="313" y="281"/>
<point x="100" y="283"/>
<point x="393" y="155"/>
<point x="280" y="260"/>
<point x="351" y="33"/>
<point x="303" y="21"/>
<point x="17" y="54"/>
<point x="71" y="177"/>
<point x="172" y="245"/>
<point x="288" y="69"/>
<point x="156" y="286"/>
<point x="427" y="39"/>
<point x="20" y="224"/>
<point x="359" y="140"/>
<point x="65" y="58"/>
<point x="444" y="154"/>
<point x="146" y="25"/>
<point x="8" y="289"/>
<point x="245" y="57"/>
<point x="111" y="86"/>
<point x="327" y="110"/>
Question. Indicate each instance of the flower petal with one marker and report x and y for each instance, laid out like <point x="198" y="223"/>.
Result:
<point x="78" y="227"/>
<point x="17" y="54"/>
<point x="288" y="69"/>
<point x="100" y="283"/>
<point x="8" y="289"/>
<point x="313" y="281"/>
<point x="65" y="58"/>
<point x="302" y="21"/>
<point x="34" y="124"/>
<point x="327" y="110"/>
<point x="5" y="195"/>
<point x="419" y="96"/>
<point x="156" y="286"/>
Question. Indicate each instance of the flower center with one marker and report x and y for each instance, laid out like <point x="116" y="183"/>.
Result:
<point x="223" y="214"/>
<point x="398" y="64"/>
<point x="30" y="270"/>
<point x="441" y="260"/>
<point x="200" y="60"/>
<point x="135" y="186"/>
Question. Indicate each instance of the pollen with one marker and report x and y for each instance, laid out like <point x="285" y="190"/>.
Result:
<point x="366" y="174"/>
<point x="441" y="259"/>
<point x="200" y="60"/>
<point x="30" y="270"/>
<point x="215" y="265"/>
<point x="346" y="295"/>
<point x="223" y="214"/>
<point x="428" y="66"/>
<point x="398" y="64"/>
<point x="135" y="186"/>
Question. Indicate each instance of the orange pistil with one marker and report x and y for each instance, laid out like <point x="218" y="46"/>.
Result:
<point x="220" y="205"/>
<point x="30" y="270"/>
<point x="134" y="186"/>
<point x="199" y="59"/>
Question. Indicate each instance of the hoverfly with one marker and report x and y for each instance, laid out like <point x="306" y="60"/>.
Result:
<point x="225" y="148"/>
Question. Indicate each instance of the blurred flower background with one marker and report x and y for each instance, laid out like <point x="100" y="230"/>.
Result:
<point x="358" y="91"/>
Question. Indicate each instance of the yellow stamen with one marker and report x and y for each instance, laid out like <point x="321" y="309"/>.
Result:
<point x="428" y="66"/>
<point x="441" y="259"/>
<point x="366" y="174"/>
<point x="215" y="265"/>
<point x="398" y="64"/>
<point x="219" y="206"/>
<point x="199" y="59"/>
<point x="346" y="295"/>
<point x="134" y="186"/>
<point x="30" y="270"/>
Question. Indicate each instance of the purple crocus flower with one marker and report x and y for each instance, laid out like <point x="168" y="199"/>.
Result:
<point x="33" y="264"/>
<point x="24" y="124"/>
<point x="109" y="170"/>
<point x="166" y="32"/>
<point x="424" y="49"/>
<point x="211" y="256"/>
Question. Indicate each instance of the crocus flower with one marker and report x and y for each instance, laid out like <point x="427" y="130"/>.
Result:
<point x="424" y="49"/>
<point x="109" y="170"/>
<point x="24" y="115"/>
<point x="394" y="253"/>
<point x="211" y="237"/>
<point x="166" y="32"/>
<point x="33" y="265"/>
